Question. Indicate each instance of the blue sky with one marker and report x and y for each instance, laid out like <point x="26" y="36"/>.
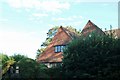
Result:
<point x="24" y="23"/>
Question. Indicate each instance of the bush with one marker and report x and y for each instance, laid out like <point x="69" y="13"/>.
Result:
<point x="27" y="68"/>
<point x="41" y="71"/>
<point x="92" y="57"/>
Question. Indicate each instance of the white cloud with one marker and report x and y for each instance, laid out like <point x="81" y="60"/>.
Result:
<point x="71" y="18"/>
<point x="15" y="3"/>
<point x="74" y="20"/>
<point x="39" y="15"/>
<point x="54" y="6"/>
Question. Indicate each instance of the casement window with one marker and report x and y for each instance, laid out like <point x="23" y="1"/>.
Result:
<point x="59" y="48"/>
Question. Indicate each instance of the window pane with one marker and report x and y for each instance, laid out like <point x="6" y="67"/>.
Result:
<point x="56" y="49"/>
<point x="62" y="47"/>
<point x="59" y="48"/>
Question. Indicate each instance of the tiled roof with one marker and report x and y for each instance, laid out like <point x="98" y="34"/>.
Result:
<point x="91" y="27"/>
<point x="115" y="33"/>
<point x="62" y="37"/>
<point x="72" y="34"/>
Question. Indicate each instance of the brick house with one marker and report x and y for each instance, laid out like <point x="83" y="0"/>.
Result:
<point x="52" y="55"/>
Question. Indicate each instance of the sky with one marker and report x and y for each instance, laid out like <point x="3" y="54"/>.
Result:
<point x="24" y="23"/>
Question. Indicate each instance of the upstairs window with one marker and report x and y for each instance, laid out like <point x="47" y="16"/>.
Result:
<point x="59" y="48"/>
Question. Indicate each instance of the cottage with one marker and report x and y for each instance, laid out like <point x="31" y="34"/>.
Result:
<point x="52" y="55"/>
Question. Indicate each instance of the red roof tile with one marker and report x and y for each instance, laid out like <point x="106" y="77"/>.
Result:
<point x="62" y="37"/>
<point x="90" y="27"/>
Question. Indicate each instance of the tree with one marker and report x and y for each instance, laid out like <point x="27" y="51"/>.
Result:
<point x="18" y="57"/>
<point x="92" y="57"/>
<point x="39" y="51"/>
<point x="50" y="35"/>
<point x="6" y="63"/>
<point x="27" y="68"/>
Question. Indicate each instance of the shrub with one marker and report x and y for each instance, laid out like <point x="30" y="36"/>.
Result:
<point x="92" y="57"/>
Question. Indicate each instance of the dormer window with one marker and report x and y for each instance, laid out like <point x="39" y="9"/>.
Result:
<point x="59" y="48"/>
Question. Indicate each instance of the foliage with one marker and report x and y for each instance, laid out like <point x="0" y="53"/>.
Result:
<point x="50" y="35"/>
<point x="55" y="72"/>
<point x="39" y="51"/>
<point x="70" y="28"/>
<point x="18" y="57"/>
<point x="6" y="62"/>
<point x="92" y="57"/>
<point x="27" y="68"/>
<point x="41" y="71"/>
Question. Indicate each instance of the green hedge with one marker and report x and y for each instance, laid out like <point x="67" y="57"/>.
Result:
<point x="92" y="57"/>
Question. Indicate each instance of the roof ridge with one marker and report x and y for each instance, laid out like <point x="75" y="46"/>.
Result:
<point x="90" y="23"/>
<point x="66" y="32"/>
<point x="94" y="24"/>
<point x="90" y="27"/>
